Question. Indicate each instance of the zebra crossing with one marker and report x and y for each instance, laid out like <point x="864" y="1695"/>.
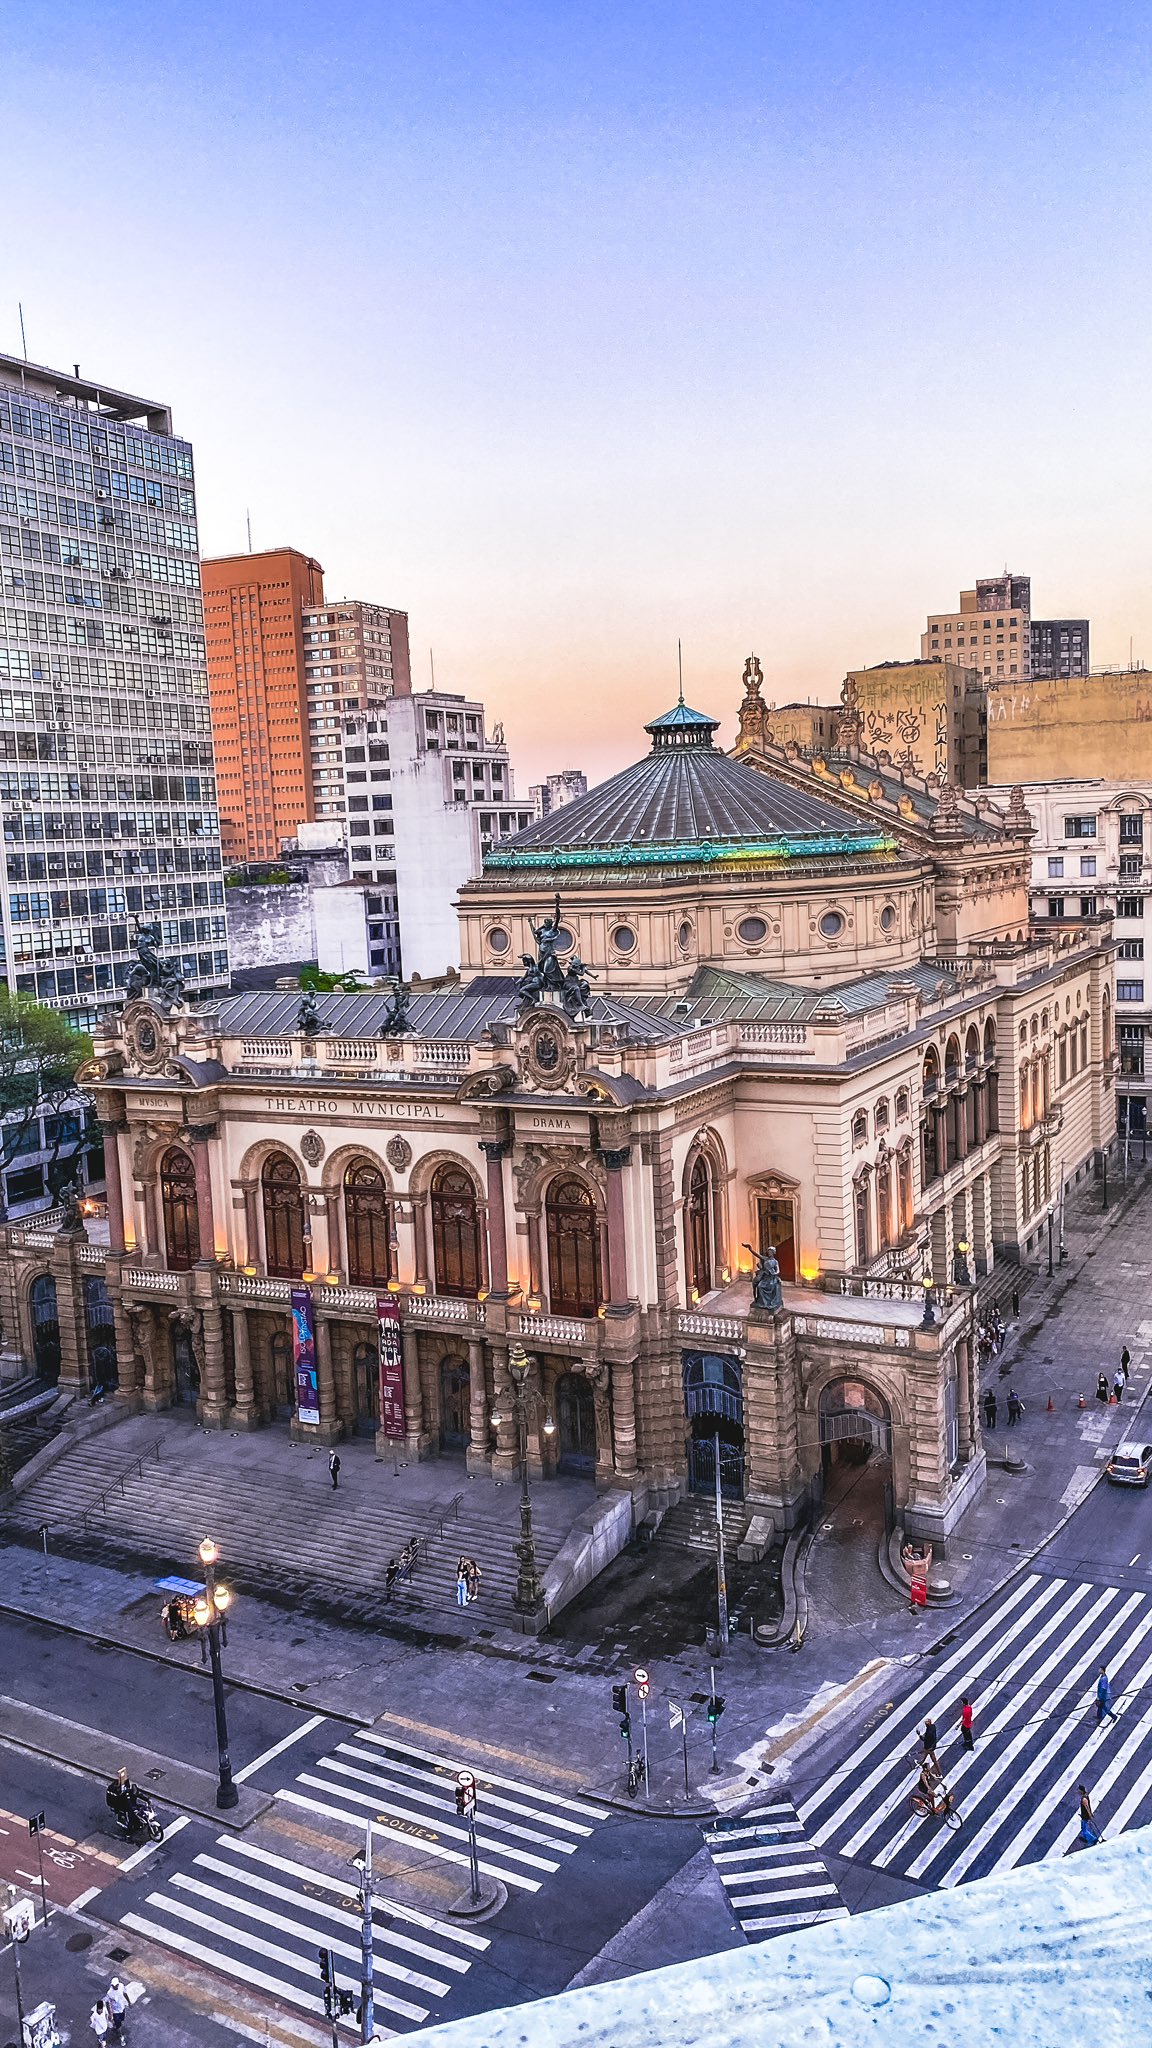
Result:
<point x="523" y="1833"/>
<point x="772" y="1876"/>
<point x="260" y="1918"/>
<point x="1030" y="1670"/>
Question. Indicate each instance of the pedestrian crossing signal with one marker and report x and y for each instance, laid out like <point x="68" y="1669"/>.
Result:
<point x="715" y="1707"/>
<point x="625" y="1724"/>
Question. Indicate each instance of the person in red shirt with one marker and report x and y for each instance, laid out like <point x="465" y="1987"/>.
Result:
<point x="966" y="1723"/>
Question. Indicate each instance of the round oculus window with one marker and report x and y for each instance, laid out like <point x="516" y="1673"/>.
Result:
<point x="831" y="924"/>
<point x="684" y="935"/>
<point x="752" y="930"/>
<point x="498" y="940"/>
<point x="624" y="938"/>
<point x="564" y="940"/>
<point x="887" y="918"/>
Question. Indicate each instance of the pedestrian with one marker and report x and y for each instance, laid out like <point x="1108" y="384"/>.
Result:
<point x="1102" y="1388"/>
<point x="928" y="1738"/>
<point x="334" y="1469"/>
<point x="474" y="1575"/>
<point x="391" y="1574"/>
<point x="100" y="2020"/>
<point x="1015" y="1303"/>
<point x="1015" y="1407"/>
<point x="1089" y="1832"/>
<point x="990" y="1409"/>
<point x="1117" y="1386"/>
<point x="1104" y="1708"/>
<point x="462" y="1583"/>
<point x="117" y="2003"/>
<point x="1125" y="1362"/>
<point x="966" y="1723"/>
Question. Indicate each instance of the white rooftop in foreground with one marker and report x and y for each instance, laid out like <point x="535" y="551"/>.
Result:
<point x="1058" y="1953"/>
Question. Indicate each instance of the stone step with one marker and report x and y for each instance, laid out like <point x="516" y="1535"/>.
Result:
<point x="691" y="1525"/>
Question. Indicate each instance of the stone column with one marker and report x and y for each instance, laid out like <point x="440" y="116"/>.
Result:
<point x="624" y="1418"/>
<point x="419" y="1241"/>
<point x="129" y="1391"/>
<point x="316" y="1222"/>
<point x="243" y="1415"/>
<point x="506" y="1456"/>
<point x="418" y="1442"/>
<point x="115" y="1185"/>
<point x="495" y="1152"/>
<point x="477" y="1456"/>
<point x="943" y="1159"/>
<point x="331" y="1427"/>
<point x="534" y="1268"/>
<point x="961" y="1120"/>
<point x="251" y="1222"/>
<point x="332" y="1224"/>
<point x="212" y="1406"/>
<point x="202" y="1162"/>
<point x="70" y="1309"/>
<point x="614" y="1163"/>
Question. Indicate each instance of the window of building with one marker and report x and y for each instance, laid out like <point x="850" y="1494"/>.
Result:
<point x="1130" y="864"/>
<point x="178" y="1202"/>
<point x="1130" y="949"/>
<point x="1081" y="827"/>
<point x="455" y="1232"/>
<point x="1087" y="906"/>
<point x="1129" y="906"/>
<point x="1087" y="864"/>
<point x="366" y="1223"/>
<point x="1131" y="828"/>
<point x="283" y="1204"/>
<point x="1055" y="906"/>
<point x="1129" y="991"/>
<point x="1055" y="867"/>
<point x="573" y="1249"/>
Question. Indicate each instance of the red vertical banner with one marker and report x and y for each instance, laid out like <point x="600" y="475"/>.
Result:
<point x="391" y="1366"/>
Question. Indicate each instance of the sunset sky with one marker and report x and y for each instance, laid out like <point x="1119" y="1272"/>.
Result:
<point x="574" y="328"/>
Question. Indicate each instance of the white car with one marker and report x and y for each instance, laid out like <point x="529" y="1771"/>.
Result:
<point x="1130" y="1465"/>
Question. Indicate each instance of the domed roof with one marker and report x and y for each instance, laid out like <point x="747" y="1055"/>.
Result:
<point x="687" y="802"/>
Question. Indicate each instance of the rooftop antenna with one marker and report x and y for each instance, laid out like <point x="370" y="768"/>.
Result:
<point x="23" y="336"/>
<point x="680" y="668"/>
<point x="248" y="517"/>
<point x="432" y="666"/>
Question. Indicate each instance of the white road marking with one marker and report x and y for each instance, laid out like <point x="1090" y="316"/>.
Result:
<point x="85" y="1899"/>
<point x="446" y="1787"/>
<point x="356" y="1820"/>
<point x="376" y="1805"/>
<point x="173" y="1828"/>
<point x="278" y="1748"/>
<point x="197" y="1952"/>
<point x="485" y="1778"/>
<point x="319" y="1911"/>
<point x="486" y="1819"/>
<point x="463" y="1935"/>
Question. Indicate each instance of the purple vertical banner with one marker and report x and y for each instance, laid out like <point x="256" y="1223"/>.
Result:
<point x="304" y="1356"/>
<point x="391" y="1367"/>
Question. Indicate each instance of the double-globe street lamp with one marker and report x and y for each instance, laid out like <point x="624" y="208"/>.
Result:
<point x="208" y="1612"/>
<point x="529" y="1595"/>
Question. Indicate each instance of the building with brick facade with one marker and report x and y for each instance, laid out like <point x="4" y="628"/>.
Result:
<point x="782" y="1003"/>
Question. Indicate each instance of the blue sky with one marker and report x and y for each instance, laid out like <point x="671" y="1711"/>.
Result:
<point x="577" y="328"/>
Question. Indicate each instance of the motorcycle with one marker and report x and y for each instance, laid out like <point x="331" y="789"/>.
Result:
<point x="135" y="1815"/>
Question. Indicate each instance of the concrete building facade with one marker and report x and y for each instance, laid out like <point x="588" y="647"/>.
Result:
<point x="253" y="612"/>
<point x="1048" y="730"/>
<point x="107" y="792"/>
<point x="928" y="716"/>
<point x="994" y="632"/>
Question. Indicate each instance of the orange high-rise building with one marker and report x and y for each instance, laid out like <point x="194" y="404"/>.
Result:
<point x="253" y="627"/>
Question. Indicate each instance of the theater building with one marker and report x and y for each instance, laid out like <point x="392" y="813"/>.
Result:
<point x="819" y="1020"/>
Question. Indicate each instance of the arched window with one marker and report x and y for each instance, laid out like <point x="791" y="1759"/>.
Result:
<point x="366" y="1225"/>
<point x="283" y="1218"/>
<point x="884" y="1228"/>
<point x="573" y="1249"/>
<point x="699" y="1218"/>
<point x="860" y="1210"/>
<point x="931" y="1070"/>
<point x="860" y="1127"/>
<point x="904" y="1187"/>
<point x="990" y="1040"/>
<point x="181" y="1220"/>
<point x="971" y="1047"/>
<point x="455" y="1232"/>
<point x="880" y="1114"/>
<point x="100" y="1329"/>
<point x="951" y="1059"/>
<point x="1025" y="1097"/>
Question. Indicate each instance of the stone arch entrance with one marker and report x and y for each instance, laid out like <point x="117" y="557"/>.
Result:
<point x="714" y="1404"/>
<point x="45" y="1328"/>
<point x="455" y="1396"/>
<point x="100" y="1333"/>
<point x="185" y="1371"/>
<point x="575" y="1424"/>
<point x="856" y="1453"/>
<point x="366" y="1387"/>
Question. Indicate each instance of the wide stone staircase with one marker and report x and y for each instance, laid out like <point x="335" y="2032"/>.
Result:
<point x="145" y="1494"/>
<point x="691" y="1525"/>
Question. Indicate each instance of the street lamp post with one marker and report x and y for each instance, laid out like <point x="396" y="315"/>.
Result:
<point x="208" y="1612"/>
<point x="928" y="1319"/>
<point x="529" y="1595"/>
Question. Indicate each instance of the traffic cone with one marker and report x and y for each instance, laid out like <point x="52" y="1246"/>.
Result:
<point x="1052" y="1404"/>
<point x="1080" y="1403"/>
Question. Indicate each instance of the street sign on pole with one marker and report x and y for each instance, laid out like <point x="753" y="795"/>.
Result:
<point x="466" y="1808"/>
<point x="677" y="1718"/>
<point x="643" y="1683"/>
<point x="675" y="1715"/>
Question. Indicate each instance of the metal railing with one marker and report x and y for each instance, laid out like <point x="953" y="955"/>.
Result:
<point x="120" y="1483"/>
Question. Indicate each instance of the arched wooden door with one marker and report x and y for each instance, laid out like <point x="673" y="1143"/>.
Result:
<point x="366" y="1388"/>
<point x="181" y="1215"/>
<point x="455" y="1395"/>
<point x="573" y="1249"/>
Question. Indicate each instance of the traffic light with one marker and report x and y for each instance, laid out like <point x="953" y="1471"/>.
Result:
<point x="462" y="1801"/>
<point x="619" y="1699"/>
<point x="626" y="1725"/>
<point x="326" y="1965"/>
<point x="347" y="2001"/>
<point x="715" y="1707"/>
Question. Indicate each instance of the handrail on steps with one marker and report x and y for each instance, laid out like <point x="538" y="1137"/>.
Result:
<point x="99" y="1505"/>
